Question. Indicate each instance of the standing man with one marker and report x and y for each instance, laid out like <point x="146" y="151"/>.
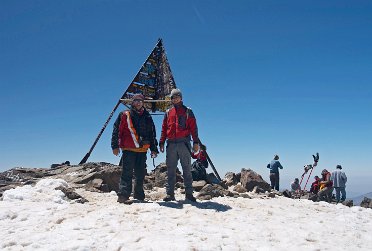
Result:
<point x="339" y="180"/>
<point x="134" y="133"/>
<point x="274" y="166"/>
<point x="178" y="124"/>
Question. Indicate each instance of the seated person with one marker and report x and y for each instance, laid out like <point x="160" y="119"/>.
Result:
<point x="198" y="167"/>
<point x="325" y="187"/>
<point x="201" y="156"/>
<point x="295" y="186"/>
<point x="315" y="185"/>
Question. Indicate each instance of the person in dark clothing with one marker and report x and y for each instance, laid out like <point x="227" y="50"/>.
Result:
<point x="295" y="186"/>
<point x="200" y="164"/>
<point x="315" y="185"/>
<point x="179" y="124"/>
<point x="201" y="156"/>
<point x="134" y="133"/>
<point x="274" y="166"/>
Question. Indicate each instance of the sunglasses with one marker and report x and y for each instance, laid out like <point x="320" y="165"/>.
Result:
<point x="175" y="96"/>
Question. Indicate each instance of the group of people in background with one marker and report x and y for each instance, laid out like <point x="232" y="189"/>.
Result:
<point x="134" y="133"/>
<point x="323" y="187"/>
<point x="329" y="182"/>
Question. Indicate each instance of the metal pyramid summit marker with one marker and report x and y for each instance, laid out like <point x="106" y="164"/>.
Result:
<point x="154" y="80"/>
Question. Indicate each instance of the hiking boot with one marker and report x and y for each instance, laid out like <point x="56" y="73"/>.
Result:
<point x="122" y="199"/>
<point x="169" y="198"/>
<point x="190" y="197"/>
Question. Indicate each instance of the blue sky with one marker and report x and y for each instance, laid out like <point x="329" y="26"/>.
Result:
<point x="262" y="77"/>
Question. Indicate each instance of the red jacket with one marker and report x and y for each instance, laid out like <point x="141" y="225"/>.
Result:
<point x="178" y="123"/>
<point x="136" y="132"/>
<point x="315" y="187"/>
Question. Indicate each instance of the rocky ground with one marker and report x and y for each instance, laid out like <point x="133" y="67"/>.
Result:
<point x="101" y="177"/>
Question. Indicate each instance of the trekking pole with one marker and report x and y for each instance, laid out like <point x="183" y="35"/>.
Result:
<point x="316" y="159"/>
<point x="307" y="168"/>
<point x="314" y="165"/>
<point x="308" y="178"/>
<point x="214" y="169"/>
<point x="84" y="160"/>
<point x="302" y="177"/>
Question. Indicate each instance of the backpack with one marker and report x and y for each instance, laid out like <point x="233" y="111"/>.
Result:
<point x="198" y="171"/>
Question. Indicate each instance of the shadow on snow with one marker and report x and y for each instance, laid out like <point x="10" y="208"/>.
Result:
<point x="201" y="205"/>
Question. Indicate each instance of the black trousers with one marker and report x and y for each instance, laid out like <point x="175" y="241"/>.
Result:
<point x="133" y="162"/>
<point x="274" y="179"/>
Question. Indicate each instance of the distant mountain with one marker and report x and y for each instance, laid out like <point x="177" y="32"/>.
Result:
<point x="357" y="200"/>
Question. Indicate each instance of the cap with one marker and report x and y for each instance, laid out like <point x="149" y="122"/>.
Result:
<point x="138" y="96"/>
<point x="276" y="157"/>
<point x="176" y="92"/>
<point x="339" y="166"/>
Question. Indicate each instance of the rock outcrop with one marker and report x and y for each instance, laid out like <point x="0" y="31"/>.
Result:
<point x="250" y="179"/>
<point x="104" y="177"/>
<point x="367" y="203"/>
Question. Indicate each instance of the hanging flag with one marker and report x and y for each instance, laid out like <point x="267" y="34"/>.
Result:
<point x="154" y="80"/>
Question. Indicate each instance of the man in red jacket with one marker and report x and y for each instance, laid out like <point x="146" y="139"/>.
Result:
<point x="178" y="124"/>
<point x="133" y="133"/>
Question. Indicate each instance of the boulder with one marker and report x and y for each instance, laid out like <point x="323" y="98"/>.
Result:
<point x="240" y="189"/>
<point x="160" y="175"/>
<point x="110" y="176"/>
<point x="287" y="193"/>
<point x="367" y="203"/>
<point x="271" y="195"/>
<point x="244" y="195"/>
<point x="94" y="185"/>
<point x="348" y="203"/>
<point x="66" y="163"/>
<point x="210" y="191"/>
<point x="230" y="179"/>
<point x="251" y="179"/>
<point x="198" y="185"/>
<point x="71" y="194"/>
<point x="258" y="189"/>
<point x="238" y="176"/>
<point x="212" y="179"/>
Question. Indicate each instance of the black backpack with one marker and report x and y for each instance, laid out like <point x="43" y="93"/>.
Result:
<point x="198" y="171"/>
